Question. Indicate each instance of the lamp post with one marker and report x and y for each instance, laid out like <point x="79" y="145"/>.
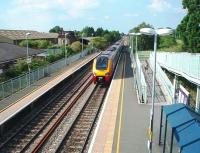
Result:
<point x="92" y="41"/>
<point x="155" y="33"/>
<point x="27" y="58"/>
<point x="65" y="48"/>
<point x="82" y="45"/>
<point x="135" y="34"/>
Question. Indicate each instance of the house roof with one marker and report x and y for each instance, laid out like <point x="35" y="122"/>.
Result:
<point x="21" y="34"/>
<point x="10" y="52"/>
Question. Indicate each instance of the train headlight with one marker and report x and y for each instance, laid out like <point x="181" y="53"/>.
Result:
<point x="107" y="74"/>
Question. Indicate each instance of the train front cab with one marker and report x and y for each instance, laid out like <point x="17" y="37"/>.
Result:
<point x="102" y="70"/>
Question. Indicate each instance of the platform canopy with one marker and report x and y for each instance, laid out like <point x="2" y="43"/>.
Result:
<point x="186" y="127"/>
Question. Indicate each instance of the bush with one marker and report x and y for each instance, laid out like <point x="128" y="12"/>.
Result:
<point x="167" y="41"/>
<point x="53" y="58"/>
<point x="37" y="44"/>
<point x="99" y="42"/>
<point x="36" y="63"/>
<point x="76" y="46"/>
<point x="16" y="69"/>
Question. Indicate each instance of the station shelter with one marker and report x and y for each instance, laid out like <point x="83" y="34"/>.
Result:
<point x="179" y="129"/>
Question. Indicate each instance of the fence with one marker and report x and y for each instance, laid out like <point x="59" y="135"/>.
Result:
<point x="16" y="84"/>
<point x="185" y="64"/>
<point x="160" y="74"/>
<point x="143" y="54"/>
<point x="53" y="51"/>
<point x="139" y="78"/>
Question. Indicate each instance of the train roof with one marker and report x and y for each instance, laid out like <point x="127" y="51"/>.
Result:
<point x="109" y="54"/>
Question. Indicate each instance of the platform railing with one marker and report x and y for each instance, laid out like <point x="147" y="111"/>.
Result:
<point x="185" y="64"/>
<point x="139" y="79"/>
<point x="23" y="81"/>
<point x="160" y="74"/>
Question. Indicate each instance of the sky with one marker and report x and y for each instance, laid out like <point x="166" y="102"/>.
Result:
<point x="121" y="15"/>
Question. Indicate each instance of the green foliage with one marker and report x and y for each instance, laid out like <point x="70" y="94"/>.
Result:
<point x="99" y="32"/>
<point x="53" y="58"/>
<point x="37" y="44"/>
<point x="88" y="31"/>
<point x="76" y="46"/>
<point x="21" y="67"/>
<point x="108" y="37"/>
<point x="112" y="36"/>
<point x="178" y="47"/>
<point x="167" y="41"/>
<point x="56" y="29"/>
<point x="17" y="69"/>
<point x="69" y="50"/>
<point x="99" y="42"/>
<point x="36" y="63"/>
<point x="189" y="28"/>
<point x="144" y="42"/>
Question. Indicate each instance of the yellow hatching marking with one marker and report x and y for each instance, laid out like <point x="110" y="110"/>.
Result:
<point x="121" y="110"/>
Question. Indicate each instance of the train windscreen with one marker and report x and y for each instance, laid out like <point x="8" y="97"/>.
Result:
<point x="102" y="63"/>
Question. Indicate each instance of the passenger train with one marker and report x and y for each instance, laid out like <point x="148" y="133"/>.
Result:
<point x="104" y="64"/>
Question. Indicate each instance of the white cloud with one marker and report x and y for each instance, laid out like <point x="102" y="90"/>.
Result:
<point x="180" y="10"/>
<point x="159" y="5"/>
<point x="42" y="13"/>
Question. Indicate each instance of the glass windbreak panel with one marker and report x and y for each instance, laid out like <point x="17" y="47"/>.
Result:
<point x="163" y="129"/>
<point x="102" y="63"/>
<point x="176" y="148"/>
<point x="168" y="138"/>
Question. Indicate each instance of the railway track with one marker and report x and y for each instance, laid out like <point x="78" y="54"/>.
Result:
<point x="78" y="136"/>
<point x="34" y="128"/>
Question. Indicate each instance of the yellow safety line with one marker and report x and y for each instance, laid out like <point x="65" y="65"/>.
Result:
<point x="121" y="110"/>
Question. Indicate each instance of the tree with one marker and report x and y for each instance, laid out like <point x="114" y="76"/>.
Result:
<point x="144" y="42"/>
<point x="108" y="37"/>
<point x="112" y="36"/>
<point x="56" y="29"/>
<point x="99" y="32"/>
<point x="189" y="28"/>
<point x="88" y="31"/>
<point x="99" y="43"/>
<point x="37" y="44"/>
<point x="167" y="41"/>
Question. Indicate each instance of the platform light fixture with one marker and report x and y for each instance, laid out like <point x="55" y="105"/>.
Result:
<point x="155" y="33"/>
<point x="28" y="60"/>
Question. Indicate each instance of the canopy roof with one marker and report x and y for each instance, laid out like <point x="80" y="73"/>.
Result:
<point x="186" y="127"/>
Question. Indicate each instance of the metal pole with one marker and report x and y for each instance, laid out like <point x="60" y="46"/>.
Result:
<point x="92" y="41"/>
<point x="132" y="44"/>
<point x="82" y="46"/>
<point x="27" y="56"/>
<point x="136" y="43"/>
<point x="197" y="108"/>
<point x="65" y="50"/>
<point x="153" y="94"/>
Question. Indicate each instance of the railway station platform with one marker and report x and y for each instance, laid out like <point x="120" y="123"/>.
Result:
<point x="123" y="122"/>
<point x="13" y="104"/>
